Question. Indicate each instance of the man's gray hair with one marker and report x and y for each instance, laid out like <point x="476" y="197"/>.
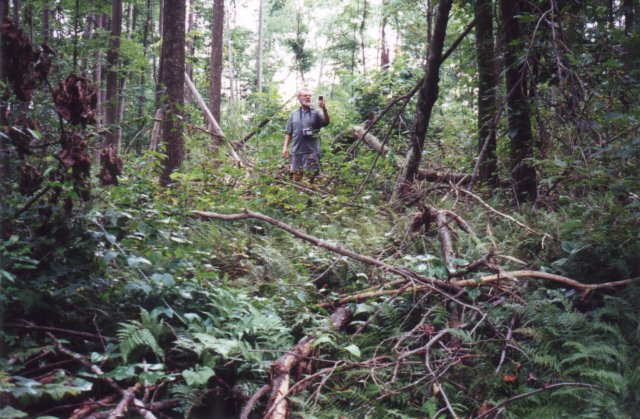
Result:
<point x="302" y="90"/>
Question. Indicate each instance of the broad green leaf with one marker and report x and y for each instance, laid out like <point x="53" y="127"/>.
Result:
<point x="198" y="376"/>
<point x="353" y="350"/>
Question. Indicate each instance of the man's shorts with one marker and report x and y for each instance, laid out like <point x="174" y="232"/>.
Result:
<point x="307" y="162"/>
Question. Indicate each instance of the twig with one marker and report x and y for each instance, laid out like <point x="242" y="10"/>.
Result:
<point x="125" y="394"/>
<point x="531" y="393"/>
<point x="508" y="217"/>
<point x="246" y="410"/>
<point x="514" y="275"/>
<point x="31" y="326"/>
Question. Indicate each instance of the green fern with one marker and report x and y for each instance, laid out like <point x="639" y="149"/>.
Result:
<point x="141" y="334"/>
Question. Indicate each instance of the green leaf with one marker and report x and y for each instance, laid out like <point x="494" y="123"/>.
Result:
<point x="198" y="376"/>
<point x="353" y="350"/>
<point x="9" y="412"/>
<point x="163" y="279"/>
<point x="323" y="339"/>
<point x="136" y="261"/>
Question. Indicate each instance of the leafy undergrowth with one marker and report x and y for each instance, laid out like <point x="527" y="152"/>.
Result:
<point x="194" y="312"/>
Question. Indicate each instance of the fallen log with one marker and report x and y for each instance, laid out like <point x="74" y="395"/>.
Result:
<point x="426" y="283"/>
<point x="277" y="405"/>
<point x="370" y="140"/>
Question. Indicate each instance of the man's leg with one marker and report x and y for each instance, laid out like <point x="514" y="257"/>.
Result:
<point x="312" y="165"/>
<point x="297" y="166"/>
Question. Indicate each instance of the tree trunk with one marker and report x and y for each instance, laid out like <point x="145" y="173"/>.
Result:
<point x="217" y="38"/>
<point x="384" y="48"/>
<point x="190" y="49"/>
<point x="523" y="172"/>
<point x="111" y="101"/>
<point x="260" y="46"/>
<point x="87" y="34"/>
<point x="172" y="63"/>
<point x="427" y="97"/>
<point x="76" y="19"/>
<point x="145" y="43"/>
<point x="230" y="61"/>
<point x="487" y="90"/>
<point x="363" y="25"/>
<point x="97" y="80"/>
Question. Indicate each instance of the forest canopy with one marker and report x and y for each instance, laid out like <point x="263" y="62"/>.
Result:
<point x="463" y="243"/>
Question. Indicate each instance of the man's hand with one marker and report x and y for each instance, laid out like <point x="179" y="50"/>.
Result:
<point x="321" y="104"/>
<point x="285" y="153"/>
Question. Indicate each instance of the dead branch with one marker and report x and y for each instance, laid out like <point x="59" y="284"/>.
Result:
<point x="508" y="217"/>
<point x="370" y="140"/>
<point x="88" y="408"/>
<point x="531" y="393"/>
<point x="280" y="371"/>
<point x="515" y="275"/>
<point x="246" y="410"/>
<point x="263" y="123"/>
<point x="127" y="395"/>
<point x="215" y="127"/>
<point x="398" y="270"/>
<point x="277" y="406"/>
<point x="31" y="326"/>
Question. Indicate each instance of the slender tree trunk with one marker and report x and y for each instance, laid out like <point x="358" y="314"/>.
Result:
<point x="145" y="44"/>
<point x="363" y="25"/>
<point x="487" y="90"/>
<point x="190" y="49"/>
<point x="217" y="38"/>
<point x="111" y="101"/>
<point x="122" y="83"/>
<point x="427" y="97"/>
<point x="384" y="48"/>
<point x="87" y="34"/>
<point x="232" y="70"/>
<point x="172" y="62"/>
<point x="97" y="75"/>
<point x="76" y="18"/>
<point x="523" y="171"/>
<point x="260" y="46"/>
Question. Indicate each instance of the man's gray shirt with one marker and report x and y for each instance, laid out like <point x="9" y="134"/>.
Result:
<point x="298" y="123"/>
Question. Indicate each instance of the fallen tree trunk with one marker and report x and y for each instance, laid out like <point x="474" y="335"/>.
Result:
<point x="427" y="283"/>
<point x="370" y="140"/>
<point x="277" y="406"/>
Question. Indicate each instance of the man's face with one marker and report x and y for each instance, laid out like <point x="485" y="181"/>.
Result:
<point x="304" y="97"/>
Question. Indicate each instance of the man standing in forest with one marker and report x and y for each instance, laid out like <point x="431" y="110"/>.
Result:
<point x="303" y="127"/>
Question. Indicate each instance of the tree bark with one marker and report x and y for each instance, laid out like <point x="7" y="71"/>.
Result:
<point x="427" y="96"/>
<point x="231" y="67"/>
<point x="111" y="101"/>
<point x="487" y="90"/>
<point x="384" y="48"/>
<point x="523" y="172"/>
<point x="172" y="63"/>
<point x="190" y="48"/>
<point x="363" y="24"/>
<point x="217" y="39"/>
<point x="260" y="46"/>
<point x="145" y="45"/>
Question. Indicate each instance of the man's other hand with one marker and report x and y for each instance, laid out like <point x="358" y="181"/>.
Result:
<point x="285" y="153"/>
<point x="321" y="104"/>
